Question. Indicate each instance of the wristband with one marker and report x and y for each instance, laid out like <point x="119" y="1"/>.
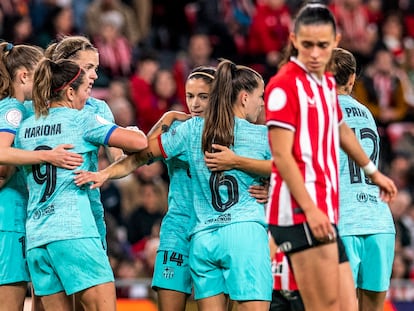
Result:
<point x="370" y="168"/>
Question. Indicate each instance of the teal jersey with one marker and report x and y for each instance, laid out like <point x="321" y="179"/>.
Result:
<point x="176" y="223"/>
<point x="100" y="108"/>
<point x="14" y="194"/>
<point x="361" y="209"/>
<point x="219" y="198"/>
<point x="57" y="208"/>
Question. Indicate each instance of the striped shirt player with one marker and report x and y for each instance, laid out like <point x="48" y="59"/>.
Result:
<point x="13" y="202"/>
<point x="172" y="270"/>
<point x="221" y="199"/>
<point x="303" y="105"/>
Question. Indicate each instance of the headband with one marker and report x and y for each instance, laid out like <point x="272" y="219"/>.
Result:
<point x="200" y="73"/>
<point x="69" y="83"/>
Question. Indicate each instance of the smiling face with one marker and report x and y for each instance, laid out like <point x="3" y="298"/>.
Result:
<point x="197" y="95"/>
<point x="315" y="43"/>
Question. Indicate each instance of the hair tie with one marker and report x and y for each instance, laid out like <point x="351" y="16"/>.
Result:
<point x="233" y="67"/>
<point x="9" y="47"/>
<point x="69" y="83"/>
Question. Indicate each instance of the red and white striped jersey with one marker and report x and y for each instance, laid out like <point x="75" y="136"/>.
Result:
<point x="283" y="278"/>
<point x="298" y="101"/>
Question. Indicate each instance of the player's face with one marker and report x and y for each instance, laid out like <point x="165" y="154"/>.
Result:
<point x="197" y="93"/>
<point x="89" y="61"/>
<point x="82" y="94"/>
<point x="315" y="44"/>
<point x="254" y="103"/>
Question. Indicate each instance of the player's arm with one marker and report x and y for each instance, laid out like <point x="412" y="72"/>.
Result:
<point x="58" y="156"/>
<point x="224" y="159"/>
<point x="290" y="172"/>
<point x="350" y="144"/>
<point x="165" y="122"/>
<point x="122" y="167"/>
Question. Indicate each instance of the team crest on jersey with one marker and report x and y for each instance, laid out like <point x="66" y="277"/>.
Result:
<point x="277" y="99"/>
<point x="168" y="272"/>
<point x="14" y="117"/>
<point x="102" y="120"/>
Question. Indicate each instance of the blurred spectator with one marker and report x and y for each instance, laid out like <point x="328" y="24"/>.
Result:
<point x="99" y="7"/>
<point x="143" y="15"/>
<point x="359" y="34"/>
<point x="58" y="24"/>
<point x="199" y="53"/>
<point x="18" y="29"/>
<point x="407" y="8"/>
<point x="227" y="23"/>
<point x="131" y="185"/>
<point x="400" y="269"/>
<point x="268" y="34"/>
<point x="110" y="194"/>
<point x="399" y="207"/>
<point x="141" y="81"/>
<point x="115" y="52"/>
<point x="169" y="28"/>
<point x="392" y="35"/>
<point x="164" y="98"/>
<point x="151" y="210"/>
<point x="381" y="90"/>
<point x="399" y="169"/>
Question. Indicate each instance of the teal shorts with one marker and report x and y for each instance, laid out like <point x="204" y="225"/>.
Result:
<point x="70" y="265"/>
<point x="13" y="265"/>
<point x="172" y="272"/>
<point x="233" y="259"/>
<point x="371" y="257"/>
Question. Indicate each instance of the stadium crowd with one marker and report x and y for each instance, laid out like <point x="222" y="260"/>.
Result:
<point x="148" y="48"/>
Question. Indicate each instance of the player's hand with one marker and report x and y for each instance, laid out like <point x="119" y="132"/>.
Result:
<point x="223" y="159"/>
<point x="260" y="192"/>
<point x="320" y="225"/>
<point x="61" y="157"/>
<point x="96" y="178"/>
<point x="388" y="190"/>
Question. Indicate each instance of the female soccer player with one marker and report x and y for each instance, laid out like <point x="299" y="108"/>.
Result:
<point x="224" y="213"/>
<point x="365" y="223"/>
<point x="80" y="50"/>
<point x="62" y="236"/>
<point x="17" y="64"/>
<point x="305" y="132"/>
<point x="173" y="252"/>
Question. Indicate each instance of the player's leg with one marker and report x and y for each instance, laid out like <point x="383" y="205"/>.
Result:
<point x="99" y="297"/>
<point x="14" y="273"/>
<point x="59" y="301"/>
<point x="12" y="296"/>
<point x="169" y="300"/>
<point x="371" y="301"/>
<point x="374" y="283"/>
<point x="172" y="280"/>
